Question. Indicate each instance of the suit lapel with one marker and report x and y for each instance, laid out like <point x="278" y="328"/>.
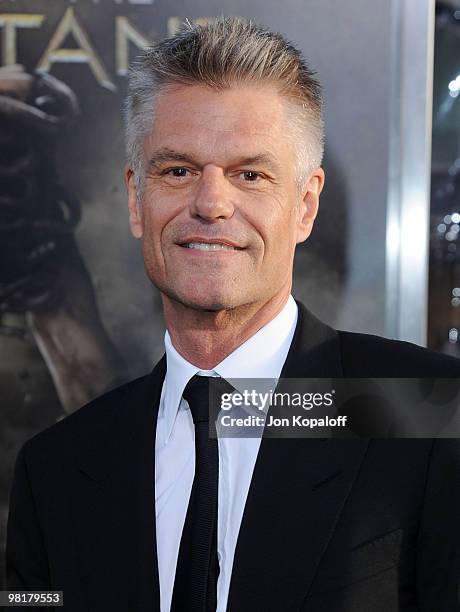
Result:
<point x="115" y="499"/>
<point x="297" y="492"/>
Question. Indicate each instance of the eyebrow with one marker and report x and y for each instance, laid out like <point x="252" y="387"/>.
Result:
<point x="165" y="155"/>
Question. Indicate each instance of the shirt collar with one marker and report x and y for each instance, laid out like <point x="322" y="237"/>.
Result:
<point x="260" y="356"/>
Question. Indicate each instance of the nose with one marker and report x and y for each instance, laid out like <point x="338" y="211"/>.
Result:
<point x="213" y="198"/>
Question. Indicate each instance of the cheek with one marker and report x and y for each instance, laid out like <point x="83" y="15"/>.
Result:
<point x="277" y="230"/>
<point x="151" y="233"/>
<point x="158" y="214"/>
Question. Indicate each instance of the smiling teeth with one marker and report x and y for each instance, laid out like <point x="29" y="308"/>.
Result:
<point x="205" y="246"/>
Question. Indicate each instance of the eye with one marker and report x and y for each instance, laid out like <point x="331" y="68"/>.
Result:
<point x="250" y="176"/>
<point x="177" y="172"/>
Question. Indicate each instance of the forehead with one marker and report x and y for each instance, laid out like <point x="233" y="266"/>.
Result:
<point x="217" y="124"/>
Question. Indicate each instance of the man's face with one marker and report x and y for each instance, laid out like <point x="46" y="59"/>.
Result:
<point x="220" y="170"/>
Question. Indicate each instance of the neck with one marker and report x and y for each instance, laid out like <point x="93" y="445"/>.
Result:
<point x="205" y="338"/>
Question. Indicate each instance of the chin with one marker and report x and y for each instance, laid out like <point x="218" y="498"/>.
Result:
<point x="211" y="303"/>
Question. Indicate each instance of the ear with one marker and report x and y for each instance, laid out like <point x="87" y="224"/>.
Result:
<point x="135" y="216"/>
<point x="308" y="208"/>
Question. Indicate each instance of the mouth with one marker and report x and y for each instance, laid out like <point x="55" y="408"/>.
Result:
<point x="210" y="246"/>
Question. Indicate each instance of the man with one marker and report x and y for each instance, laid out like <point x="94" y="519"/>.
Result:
<point x="128" y="504"/>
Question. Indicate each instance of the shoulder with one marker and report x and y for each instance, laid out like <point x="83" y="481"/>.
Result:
<point x="93" y="420"/>
<point x="366" y="355"/>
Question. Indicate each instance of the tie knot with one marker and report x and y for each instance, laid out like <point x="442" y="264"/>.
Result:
<point x="196" y="393"/>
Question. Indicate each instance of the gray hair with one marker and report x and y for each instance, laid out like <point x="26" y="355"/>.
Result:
<point x="222" y="52"/>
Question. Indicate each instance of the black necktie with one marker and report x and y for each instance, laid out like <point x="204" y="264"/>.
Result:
<point x="195" y="586"/>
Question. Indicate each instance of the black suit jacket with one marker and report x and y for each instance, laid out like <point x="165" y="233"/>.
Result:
<point x="333" y="525"/>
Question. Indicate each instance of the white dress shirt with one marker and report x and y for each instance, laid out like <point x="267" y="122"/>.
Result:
<point x="261" y="356"/>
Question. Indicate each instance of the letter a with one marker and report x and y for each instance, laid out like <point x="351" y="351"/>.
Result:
<point x="84" y="54"/>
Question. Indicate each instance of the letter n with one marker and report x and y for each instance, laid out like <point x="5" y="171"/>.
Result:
<point x="124" y="34"/>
